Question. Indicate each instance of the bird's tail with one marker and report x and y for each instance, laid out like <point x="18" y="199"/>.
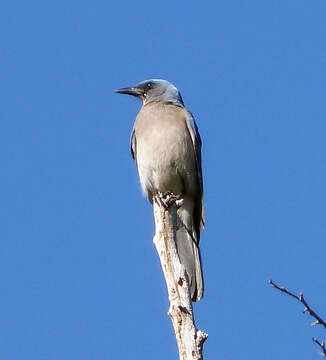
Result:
<point x="190" y="258"/>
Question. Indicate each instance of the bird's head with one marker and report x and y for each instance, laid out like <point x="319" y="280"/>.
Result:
<point x="154" y="90"/>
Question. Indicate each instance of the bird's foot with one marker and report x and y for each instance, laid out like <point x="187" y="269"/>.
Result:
<point x="168" y="198"/>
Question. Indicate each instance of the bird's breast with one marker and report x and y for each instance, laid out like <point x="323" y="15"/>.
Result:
<point x="165" y="155"/>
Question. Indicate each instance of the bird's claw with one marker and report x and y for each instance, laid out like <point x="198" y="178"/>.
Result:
<point x="168" y="198"/>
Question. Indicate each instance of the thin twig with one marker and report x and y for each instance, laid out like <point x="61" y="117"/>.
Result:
<point x="321" y="345"/>
<point x="307" y="308"/>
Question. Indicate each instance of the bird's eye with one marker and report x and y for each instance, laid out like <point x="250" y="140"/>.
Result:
<point x="149" y="85"/>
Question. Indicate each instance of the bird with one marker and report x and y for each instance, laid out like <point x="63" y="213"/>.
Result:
<point x="166" y="146"/>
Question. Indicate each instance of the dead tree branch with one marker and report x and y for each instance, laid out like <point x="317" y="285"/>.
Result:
<point x="190" y="340"/>
<point x="307" y="309"/>
<point x="321" y="345"/>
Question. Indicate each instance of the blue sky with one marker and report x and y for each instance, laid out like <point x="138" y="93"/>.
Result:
<point x="80" y="277"/>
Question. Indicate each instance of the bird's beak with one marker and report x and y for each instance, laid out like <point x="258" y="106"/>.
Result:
<point x="134" y="91"/>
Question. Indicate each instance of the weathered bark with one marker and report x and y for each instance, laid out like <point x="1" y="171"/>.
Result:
<point x="190" y="340"/>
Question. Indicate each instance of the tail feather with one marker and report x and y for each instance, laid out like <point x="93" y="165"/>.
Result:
<point x="199" y="290"/>
<point x="189" y="255"/>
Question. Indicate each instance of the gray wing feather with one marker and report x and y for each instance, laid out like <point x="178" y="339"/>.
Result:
<point x="190" y="253"/>
<point x="133" y="146"/>
<point x="196" y="140"/>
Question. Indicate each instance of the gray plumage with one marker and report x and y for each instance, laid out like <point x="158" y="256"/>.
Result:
<point x="166" y="145"/>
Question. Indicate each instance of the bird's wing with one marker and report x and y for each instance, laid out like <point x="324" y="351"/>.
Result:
<point x="196" y="140"/>
<point x="133" y="145"/>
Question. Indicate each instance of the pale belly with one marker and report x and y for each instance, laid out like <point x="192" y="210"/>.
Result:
<point x="165" y="157"/>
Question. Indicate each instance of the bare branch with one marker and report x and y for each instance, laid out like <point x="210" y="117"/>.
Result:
<point x="321" y="345"/>
<point x="307" y="308"/>
<point x="190" y="340"/>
